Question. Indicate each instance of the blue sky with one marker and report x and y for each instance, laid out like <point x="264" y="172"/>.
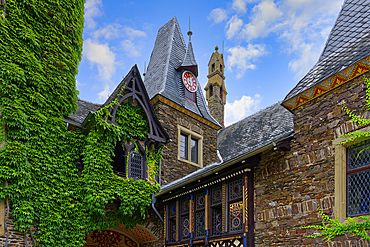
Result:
<point x="268" y="45"/>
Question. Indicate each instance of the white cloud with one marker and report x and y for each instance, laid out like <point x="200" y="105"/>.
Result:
<point x="130" y="48"/>
<point x="239" y="109"/>
<point x="263" y="15"/>
<point x="218" y="15"/>
<point x="115" y="30"/>
<point x="102" y="56"/>
<point x="92" y="10"/>
<point x="110" y="31"/>
<point x="242" y="57"/>
<point x="103" y="95"/>
<point x="234" y="25"/>
<point x="302" y="26"/>
<point x="239" y="6"/>
<point x="132" y="33"/>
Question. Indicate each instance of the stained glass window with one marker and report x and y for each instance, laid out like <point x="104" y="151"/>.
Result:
<point x="185" y="205"/>
<point x="217" y="221"/>
<point x="236" y="216"/>
<point x="172" y="209"/>
<point x="217" y="195"/>
<point x="200" y="224"/>
<point x="200" y="201"/>
<point x="235" y="189"/>
<point x="136" y="166"/>
<point x="172" y="230"/>
<point x="185" y="227"/>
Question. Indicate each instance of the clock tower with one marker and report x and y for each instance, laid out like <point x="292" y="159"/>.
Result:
<point x="215" y="88"/>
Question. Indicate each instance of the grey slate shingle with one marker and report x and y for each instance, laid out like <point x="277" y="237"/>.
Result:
<point x="84" y="108"/>
<point x="348" y="42"/>
<point x="260" y="129"/>
<point x="170" y="53"/>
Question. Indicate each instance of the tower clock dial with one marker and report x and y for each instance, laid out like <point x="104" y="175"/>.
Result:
<point x="189" y="81"/>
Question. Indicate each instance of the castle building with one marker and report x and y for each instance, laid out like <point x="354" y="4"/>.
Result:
<point x="256" y="182"/>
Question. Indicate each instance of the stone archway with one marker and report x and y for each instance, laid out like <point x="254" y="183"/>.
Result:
<point x="110" y="238"/>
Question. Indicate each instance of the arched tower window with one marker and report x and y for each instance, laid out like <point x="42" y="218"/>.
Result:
<point x="210" y="91"/>
<point x="221" y="92"/>
<point x="213" y="67"/>
<point x="220" y="67"/>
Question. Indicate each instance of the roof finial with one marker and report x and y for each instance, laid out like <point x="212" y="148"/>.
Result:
<point x="144" y="74"/>
<point x="190" y="32"/>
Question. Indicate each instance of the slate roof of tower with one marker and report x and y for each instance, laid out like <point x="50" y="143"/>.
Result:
<point x="253" y="132"/>
<point x="162" y="77"/>
<point x="189" y="56"/>
<point x="348" y="42"/>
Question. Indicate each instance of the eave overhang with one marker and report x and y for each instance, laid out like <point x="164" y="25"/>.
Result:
<point x="328" y="84"/>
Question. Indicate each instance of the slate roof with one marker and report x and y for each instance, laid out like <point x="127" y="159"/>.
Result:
<point x="170" y="53"/>
<point x="271" y="124"/>
<point x="348" y="42"/>
<point x="253" y="133"/>
<point x="189" y="57"/>
<point x="84" y="108"/>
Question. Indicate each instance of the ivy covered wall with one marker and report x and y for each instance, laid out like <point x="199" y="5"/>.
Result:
<point x="40" y="48"/>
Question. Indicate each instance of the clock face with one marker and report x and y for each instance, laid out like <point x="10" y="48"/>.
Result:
<point x="189" y="81"/>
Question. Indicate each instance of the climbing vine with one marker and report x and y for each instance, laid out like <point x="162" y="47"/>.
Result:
<point x="40" y="48"/>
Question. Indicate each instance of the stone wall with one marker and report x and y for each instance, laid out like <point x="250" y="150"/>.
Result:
<point x="16" y="238"/>
<point x="172" y="168"/>
<point x="289" y="186"/>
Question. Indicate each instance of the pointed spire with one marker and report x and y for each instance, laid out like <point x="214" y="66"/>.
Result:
<point x="190" y="32"/>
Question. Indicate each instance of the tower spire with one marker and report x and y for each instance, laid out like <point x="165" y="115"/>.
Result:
<point x="190" y="32"/>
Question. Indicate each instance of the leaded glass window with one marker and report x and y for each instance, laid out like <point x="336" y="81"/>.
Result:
<point x="236" y="216"/>
<point x="217" y="221"/>
<point x="358" y="179"/>
<point x="185" y="227"/>
<point x="185" y="205"/>
<point x="172" y="209"/>
<point x="217" y="195"/>
<point x="200" y="224"/>
<point x="200" y="201"/>
<point x="357" y="159"/>
<point x="235" y="189"/>
<point x="136" y="166"/>
<point x="172" y="230"/>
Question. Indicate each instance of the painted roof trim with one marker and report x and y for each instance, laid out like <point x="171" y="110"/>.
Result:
<point x="328" y="84"/>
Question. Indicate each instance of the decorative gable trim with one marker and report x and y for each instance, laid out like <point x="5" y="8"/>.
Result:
<point x="183" y="110"/>
<point x="329" y="84"/>
<point x="134" y="88"/>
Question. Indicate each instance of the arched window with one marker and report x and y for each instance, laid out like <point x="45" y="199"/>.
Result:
<point x="213" y="67"/>
<point x="221" y="92"/>
<point x="220" y="67"/>
<point x="210" y="91"/>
